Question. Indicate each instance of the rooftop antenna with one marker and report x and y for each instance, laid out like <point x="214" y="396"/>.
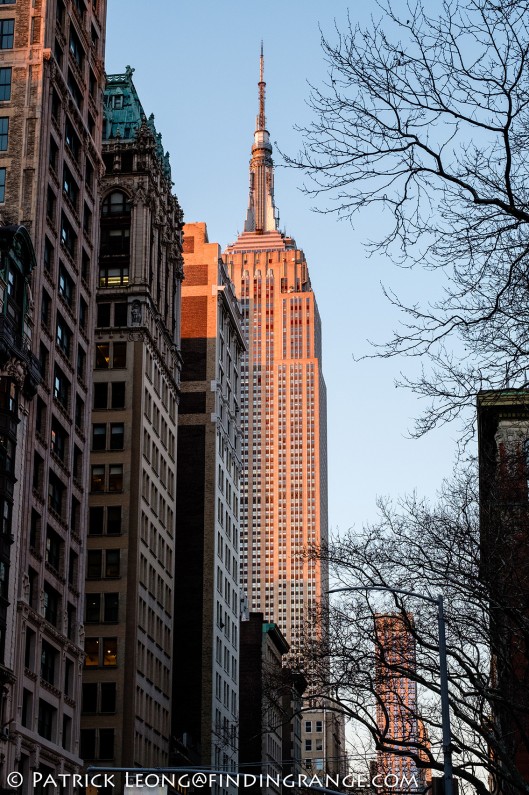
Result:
<point x="261" y="121"/>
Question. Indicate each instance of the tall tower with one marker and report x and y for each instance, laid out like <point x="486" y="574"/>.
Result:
<point x="51" y="79"/>
<point x="207" y="597"/>
<point x="131" y="546"/>
<point x="284" y="491"/>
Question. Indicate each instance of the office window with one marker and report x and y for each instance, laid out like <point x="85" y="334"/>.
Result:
<point x="89" y="703"/>
<point x="59" y="440"/>
<point x="55" y="493"/>
<point x="72" y="139"/>
<point x="116" y="204"/>
<point x="51" y="604"/>
<point x="103" y="317"/>
<point x="7" y="30"/>
<point x="94" y="563"/>
<point x="5" y="83"/>
<point x="61" y="387"/>
<point x="88" y="743"/>
<point x="108" y="696"/>
<point x="47" y="720"/>
<point x="66" y="285"/>
<point x="92" y="608"/>
<point x="101" y="652"/>
<point x="117" y="435"/>
<point x="48" y="660"/>
<point x="115" y="276"/>
<point x="53" y="549"/>
<point x="118" y="394"/>
<point x="68" y="236"/>
<point x="119" y="355"/>
<point x="115" y="477"/>
<point x="76" y="49"/>
<point x="69" y="186"/>
<point x="111" y="608"/>
<point x="4" y="133"/>
<point x="114" y="520"/>
<point x="99" y="436"/>
<point x="75" y="90"/>
<point x="100" y="395"/>
<point x="98" y="478"/>
<point x="112" y="561"/>
<point x="95" y="521"/>
<point x="120" y="313"/>
<point x="2" y="184"/>
<point x="63" y="337"/>
<point x="102" y="356"/>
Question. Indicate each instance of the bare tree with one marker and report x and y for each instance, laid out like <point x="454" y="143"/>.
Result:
<point x="425" y="116"/>
<point x="431" y="550"/>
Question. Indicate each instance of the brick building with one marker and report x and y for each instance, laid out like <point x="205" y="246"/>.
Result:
<point x="207" y="594"/>
<point x="503" y="445"/>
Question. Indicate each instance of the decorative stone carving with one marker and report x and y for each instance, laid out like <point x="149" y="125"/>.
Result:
<point x="135" y="313"/>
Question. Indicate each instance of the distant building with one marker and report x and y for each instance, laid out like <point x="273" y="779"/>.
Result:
<point x="284" y="417"/>
<point x="131" y="545"/>
<point x="323" y="739"/>
<point x="263" y="721"/>
<point x="51" y="80"/>
<point x="503" y="445"/>
<point x="396" y="699"/>
<point x="205" y="718"/>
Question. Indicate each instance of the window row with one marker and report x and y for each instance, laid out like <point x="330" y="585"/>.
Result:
<point x="102" y="608"/>
<point x="106" y="478"/>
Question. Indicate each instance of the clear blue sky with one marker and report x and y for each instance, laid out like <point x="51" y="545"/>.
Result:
<point x="196" y="68"/>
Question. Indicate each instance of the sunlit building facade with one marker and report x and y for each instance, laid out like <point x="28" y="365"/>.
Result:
<point x="284" y="413"/>
<point x="129" y="621"/>
<point x="205" y="721"/>
<point x="51" y="79"/>
<point x="396" y="698"/>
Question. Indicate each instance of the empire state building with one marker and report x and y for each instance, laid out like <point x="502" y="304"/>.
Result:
<point x="284" y="489"/>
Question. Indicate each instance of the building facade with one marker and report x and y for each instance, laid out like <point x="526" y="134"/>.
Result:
<point x="51" y="79"/>
<point x="131" y="546"/>
<point x="398" y="719"/>
<point x="207" y="594"/>
<point x="284" y="499"/>
<point x="503" y="447"/>
<point x="262" y="718"/>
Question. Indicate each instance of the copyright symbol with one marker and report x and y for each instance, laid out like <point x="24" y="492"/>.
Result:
<point x="15" y="779"/>
<point x="199" y="780"/>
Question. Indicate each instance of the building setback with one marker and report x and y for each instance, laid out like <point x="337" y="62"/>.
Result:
<point x="51" y="79"/>
<point x="207" y="594"/>
<point x="127" y="674"/>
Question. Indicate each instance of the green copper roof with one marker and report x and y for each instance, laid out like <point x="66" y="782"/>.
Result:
<point x="124" y="115"/>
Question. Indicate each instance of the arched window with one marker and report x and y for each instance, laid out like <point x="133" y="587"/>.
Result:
<point x="116" y="203"/>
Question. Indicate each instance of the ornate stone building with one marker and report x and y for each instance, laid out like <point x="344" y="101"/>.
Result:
<point x="129" y="615"/>
<point x="51" y="79"/>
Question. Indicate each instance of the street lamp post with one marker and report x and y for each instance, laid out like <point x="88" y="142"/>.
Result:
<point x="448" y="776"/>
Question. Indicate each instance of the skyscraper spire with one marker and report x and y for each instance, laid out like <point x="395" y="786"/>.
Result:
<point x="261" y="215"/>
<point x="261" y="119"/>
